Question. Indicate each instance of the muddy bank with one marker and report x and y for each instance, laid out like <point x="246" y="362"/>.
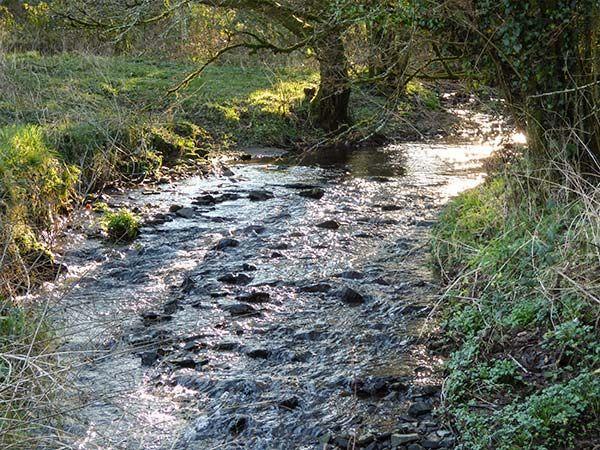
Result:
<point x="276" y="306"/>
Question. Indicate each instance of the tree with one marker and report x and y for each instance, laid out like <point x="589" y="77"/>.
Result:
<point x="545" y="57"/>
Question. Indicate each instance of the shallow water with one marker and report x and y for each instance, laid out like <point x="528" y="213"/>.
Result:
<point x="288" y="368"/>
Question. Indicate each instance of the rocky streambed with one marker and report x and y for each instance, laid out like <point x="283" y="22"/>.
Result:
<point x="277" y="306"/>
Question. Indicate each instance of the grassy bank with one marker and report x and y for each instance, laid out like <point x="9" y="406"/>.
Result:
<point x="521" y="258"/>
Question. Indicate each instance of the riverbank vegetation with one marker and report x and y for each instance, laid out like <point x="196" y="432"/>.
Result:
<point x="93" y="94"/>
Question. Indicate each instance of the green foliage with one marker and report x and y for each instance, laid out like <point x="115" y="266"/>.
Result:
<point x="520" y="314"/>
<point x="121" y="226"/>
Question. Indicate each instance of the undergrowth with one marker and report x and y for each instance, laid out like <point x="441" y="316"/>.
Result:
<point x="521" y="258"/>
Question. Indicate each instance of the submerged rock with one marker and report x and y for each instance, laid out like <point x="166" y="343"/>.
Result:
<point x="186" y="213"/>
<point x="240" y="309"/>
<point x="260" y="195"/>
<point x="329" y="225"/>
<point x="315" y="193"/>
<point x="231" y="278"/>
<point x="255" y="297"/>
<point x="226" y="243"/>
<point x="350" y="296"/>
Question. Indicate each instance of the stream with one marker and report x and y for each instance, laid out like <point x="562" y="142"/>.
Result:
<point x="278" y="305"/>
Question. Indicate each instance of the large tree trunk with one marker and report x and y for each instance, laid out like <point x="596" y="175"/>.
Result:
<point x="329" y="108"/>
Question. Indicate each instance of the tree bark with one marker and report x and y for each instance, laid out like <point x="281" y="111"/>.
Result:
<point x="329" y="108"/>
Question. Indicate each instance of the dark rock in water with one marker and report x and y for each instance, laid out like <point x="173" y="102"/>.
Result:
<point x="352" y="275"/>
<point x="225" y="346"/>
<point x="329" y="225"/>
<point x="227" y="172"/>
<point x="300" y="186"/>
<point x="152" y="317"/>
<point x="183" y="362"/>
<point x="425" y="223"/>
<point x="148" y="358"/>
<point x="313" y="288"/>
<point x="204" y="200"/>
<point x="315" y="193"/>
<point x="258" y="353"/>
<point x="175" y="208"/>
<point x="281" y="246"/>
<point x="238" y="424"/>
<point x="159" y="219"/>
<point x="248" y="267"/>
<point x="240" y="309"/>
<point x="259" y="196"/>
<point x="290" y="403"/>
<point x="186" y="213"/>
<point x="255" y="297"/>
<point x="377" y="386"/>
<point x="240" y="278"/>
<point x="218" y="294"/>
<point x="342" y="441"/>
<point x="227" y="197"/>
<point x="350" y="296"/>
<point x="226" y="243"/>
<point x="170" y="307"/>
<point x="380" y="179"/>
<point x="245" y="157"/>
<point x="258" y="229"/>
<point x="391" y="207"/>
<point x="276" y="255"/>
<point x="381" y="281"/>
<point x="187" y="285"/>
<point x="419" y="408"/>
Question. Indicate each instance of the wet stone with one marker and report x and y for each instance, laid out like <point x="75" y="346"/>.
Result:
<point x="290" y="403"/>
<point x="419" y="409"/>
<point x="226" y="243"/>
<point x="329" y="225"/>
<point x="391" y="207"/>
<point x="225" y="346"/>
<point x="240" y="309"/>
<point x="258" y="353"/>
<point x="248" y="267"/>
<point x="313" y="288"/>
<point x="401" y="439"/>
<point x="260" y="195"/>
<point x="350" y="296"/>
<point x="175" y="208"/>
<point x="187" y="285"/>
<point x="183" y="362"/>
<point x="238" y="424"/>
<point x="315" y="193"/>
<point x="152" y="317"/>
<point x="186" y="213"/>
<point x="414" y="447"/>
<point x="239" y="279"/>
<point x="352" y="275"/>
<point x="148" y="358"/>
<point x="255" y="297"/>
<point x="204" y="200"/>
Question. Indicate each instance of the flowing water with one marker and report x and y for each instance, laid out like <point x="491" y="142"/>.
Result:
<point x="171" y="342"/>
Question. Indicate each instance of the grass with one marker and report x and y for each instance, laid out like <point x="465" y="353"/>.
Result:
<point x="521" y="258"/>
<point x="121" y="226"/>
